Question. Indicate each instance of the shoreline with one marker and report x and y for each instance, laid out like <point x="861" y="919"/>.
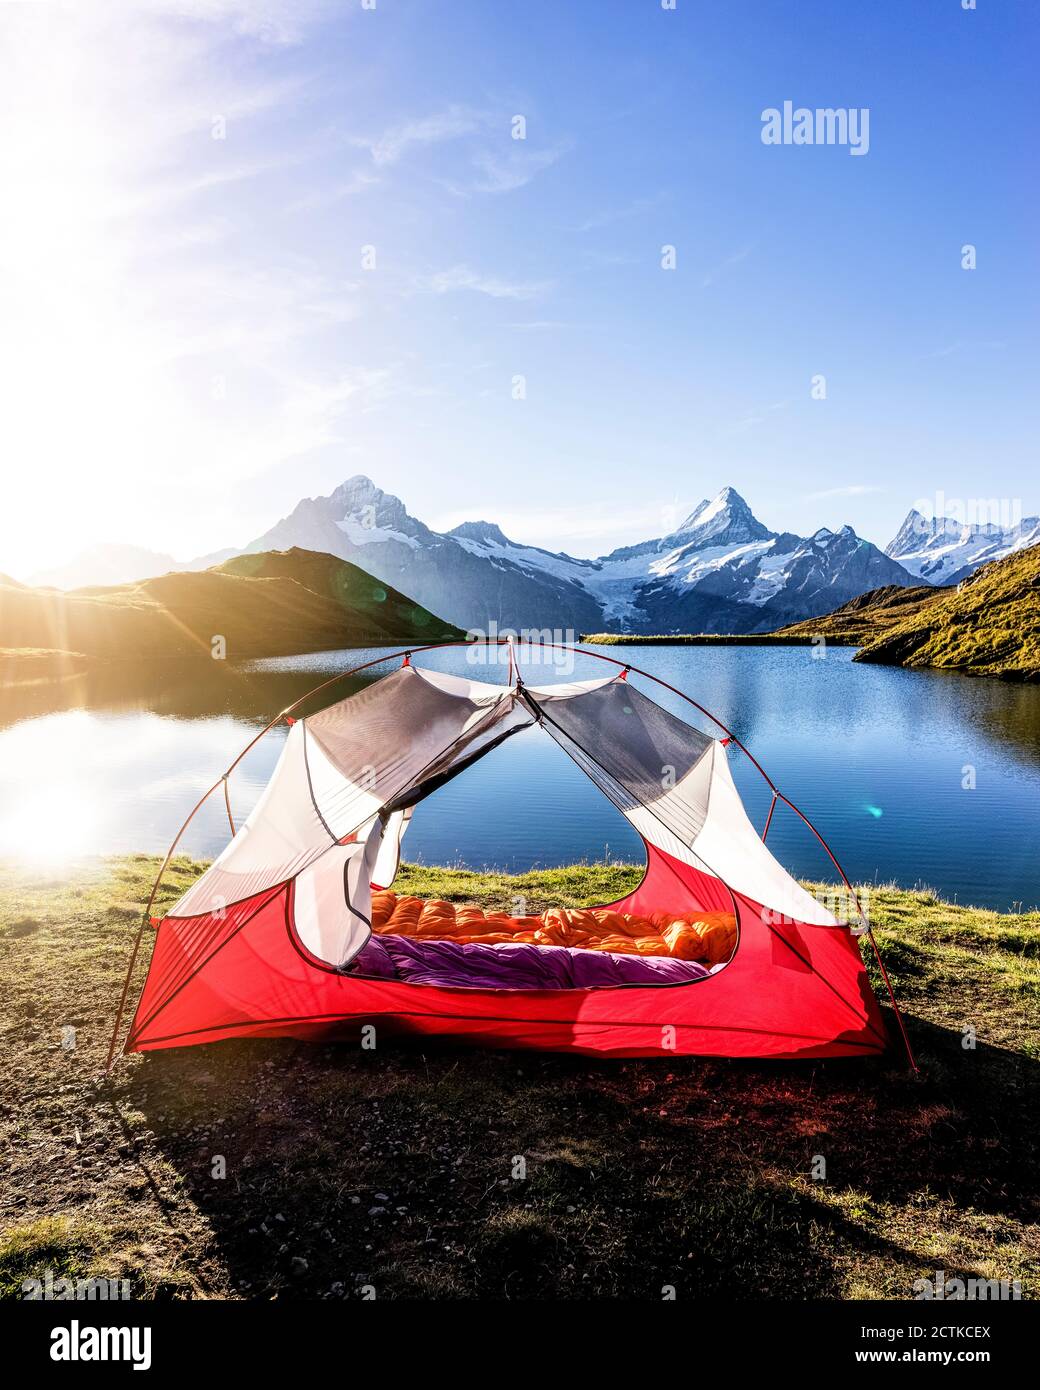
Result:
<point x="582" y="883"/>
<point x="27" y="666"/>
<point x="710" y="639"/>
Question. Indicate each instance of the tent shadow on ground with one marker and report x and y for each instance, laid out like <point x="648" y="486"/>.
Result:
<point x="968" y="1120"/>
<point x="438" y="1172"/>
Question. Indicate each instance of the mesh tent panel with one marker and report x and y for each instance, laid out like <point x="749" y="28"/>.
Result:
<point x="637" y="753"/>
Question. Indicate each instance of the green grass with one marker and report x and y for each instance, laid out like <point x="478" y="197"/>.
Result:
<point x="397" y="1168"/>
<point x="867" y="616"/>
<point x="859" y="620"/>
<point x="988" y="626"/>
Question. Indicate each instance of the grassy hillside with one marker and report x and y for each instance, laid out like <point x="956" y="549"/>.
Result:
<point x="855" y="622"/>
<point x="396" y="1167"/>
<point x="866" y="617"/>
<point x="989" y="625"/>
<point x="270" y="604"/>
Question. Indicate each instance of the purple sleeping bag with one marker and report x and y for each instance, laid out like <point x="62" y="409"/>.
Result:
<point x="472" y="965"/>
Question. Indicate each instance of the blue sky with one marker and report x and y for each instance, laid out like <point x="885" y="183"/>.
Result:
<point x="191" y="342"/>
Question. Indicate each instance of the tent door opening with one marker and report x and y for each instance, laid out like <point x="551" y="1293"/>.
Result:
<point x="392" y="934"/>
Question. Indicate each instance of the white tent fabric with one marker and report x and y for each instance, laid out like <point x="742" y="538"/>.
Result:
<point x="283" y="834"/>
<point x="487" y="692"/>
<point x="480" y="692"/>
<point x="338" y="770"/>
<point x="355" y="771"/>
<point x="389" y="859"/>
<point x="729" y="847"/>
<point x="328" y="898"/>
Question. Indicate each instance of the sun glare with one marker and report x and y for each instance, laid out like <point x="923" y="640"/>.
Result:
<point x="53" y="825"/>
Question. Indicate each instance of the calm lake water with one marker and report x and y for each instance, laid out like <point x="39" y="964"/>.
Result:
<point x="915" y="777"/>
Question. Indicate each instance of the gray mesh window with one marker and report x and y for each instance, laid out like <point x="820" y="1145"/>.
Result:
<point x="635" y="751"/>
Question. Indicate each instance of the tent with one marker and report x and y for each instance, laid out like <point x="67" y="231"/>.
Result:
<point x="273" y="939"/>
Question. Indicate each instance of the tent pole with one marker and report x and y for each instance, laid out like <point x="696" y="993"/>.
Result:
<point x="867" y="927"/>
<point x="146" y="918"/>
<point x="772" y="808"/>
<point x="122" y="997"/>
<point x="892" y="998"/>
<point x="227" y="803"/>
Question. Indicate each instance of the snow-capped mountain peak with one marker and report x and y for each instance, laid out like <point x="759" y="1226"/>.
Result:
<point x="942" y="550"/>
<point x="483" y="532"/>
<point x="360" y="501"/>
<point x="725" y="519"/>
<point x="825" y="535"/>
<point x="722" y="570"/>
<point x="356" y="490"/>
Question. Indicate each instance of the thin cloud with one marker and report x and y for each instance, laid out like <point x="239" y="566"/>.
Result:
<point x="749" y="422"/>
<point x="960" y="346"/>
<point x="463" y="277"/>
<point x="611" y="215"/>
<point x="450" y="124"/>
<point x="502" y="173"/>
<point x="276" y="22"/>
<point x="153" y="198"/>
<point x="497" y="163"/>
<point x="327" y="197"/>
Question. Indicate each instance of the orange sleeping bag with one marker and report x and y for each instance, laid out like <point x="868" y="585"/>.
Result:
<point x="709" y="937"/>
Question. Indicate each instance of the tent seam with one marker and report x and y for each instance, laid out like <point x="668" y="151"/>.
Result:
<point x="509" y="1018"/>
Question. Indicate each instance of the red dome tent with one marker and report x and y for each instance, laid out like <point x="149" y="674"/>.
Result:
<point x="270" y="941"/>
